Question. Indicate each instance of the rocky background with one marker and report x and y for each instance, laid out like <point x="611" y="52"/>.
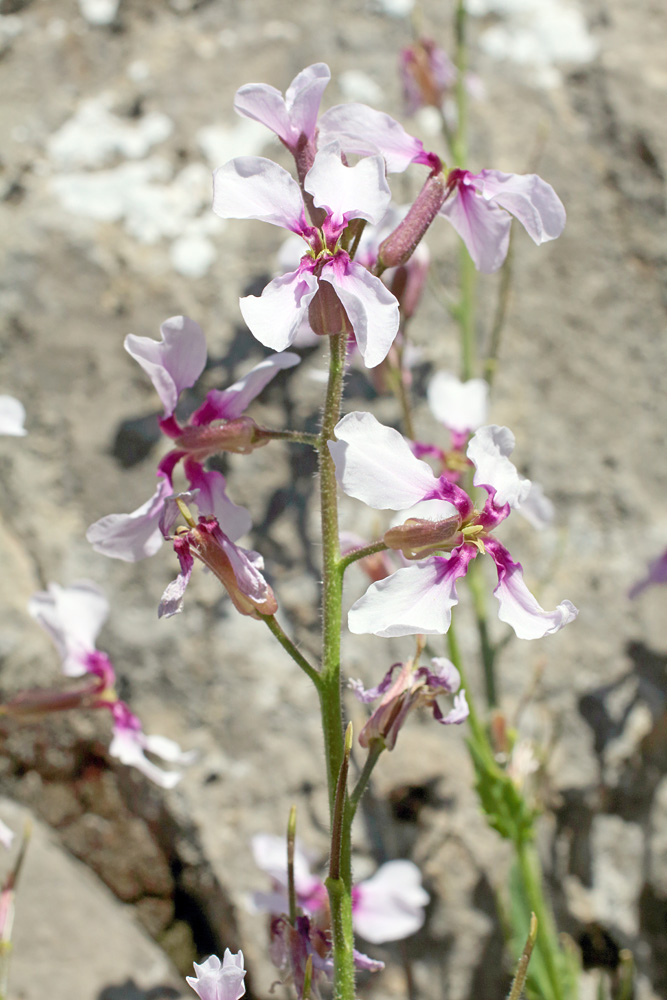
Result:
<point x="113" y="115"/>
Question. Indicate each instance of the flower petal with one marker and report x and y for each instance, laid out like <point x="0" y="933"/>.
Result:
<point x="518" y="607"/>
<point x="174" y="363"/>
<point x="390" y="905"/>
<point x="212" y="500"/>
<point x="530" y="200"/>
<point x="214" y="980"/>
<point x="289" y="117"/>
<point x="370" y="306"/>
<point x="374" y="463"/>
<point x="483" y="227"/>
<point x="461" y="406"/>
<point x="537" y="508"/>
<point x="227" y="404"/>
<point x="415" y="599"/>
<point x="359" y="192"/>
<point x="171" y="602"/>
<point x="12" y="417"/>
<point x="252" y="187"/>
<point x="488" y="451"/>
<point x="275" y="316"/>
<point x="134" y="536"/>
<point x="365" y="131"/>
<point x="73" y="617"/>
<point x="456" y="715"/>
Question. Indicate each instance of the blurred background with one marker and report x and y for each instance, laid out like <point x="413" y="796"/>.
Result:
<point x="113" y="114"/>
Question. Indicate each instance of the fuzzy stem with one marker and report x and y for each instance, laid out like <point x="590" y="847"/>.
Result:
<point x="374" y="752"/>
<point x="356" y="554"/>
<point x="290" y="648"/>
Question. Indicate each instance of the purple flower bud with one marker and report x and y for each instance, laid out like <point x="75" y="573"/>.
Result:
<point x="399" y="246"/>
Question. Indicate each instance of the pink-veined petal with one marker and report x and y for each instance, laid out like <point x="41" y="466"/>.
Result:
<point x="456" y="715"/>
<point x="358" y="192"/>
<point x="212" y="500"/>
<point x="460" y="406"/>
<point x="483" y="227"/>
<point x="518" y="607"/>
<point x="134" y="536"/>
<point x="12" y="417"/>
<point x="370" y="306"/>
<point x="252" y="187"/>
<point x="374" y="464"/>
<point x="390" y="905"/>
<point x="365" y="131"/>
<point x="73" y="617"/>
<point x="275" y="316"/>
<point x="216" y="980"/>
<point x="303" y="97"/>
<point x="171" y="602"/>
<point x="488" y="450"/>
<point x="529" y="199"/>
<point x="413" y="600"/>
<point x="174" y="363"/>
<point x="227" y="404"/>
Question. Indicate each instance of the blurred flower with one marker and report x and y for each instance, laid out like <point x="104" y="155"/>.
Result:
<point x="657" y="573"/>
<point x="12" y="417"/>
<point x="216" y="980"/>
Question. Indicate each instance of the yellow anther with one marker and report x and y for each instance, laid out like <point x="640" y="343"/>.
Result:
<point x="185" y="511"/>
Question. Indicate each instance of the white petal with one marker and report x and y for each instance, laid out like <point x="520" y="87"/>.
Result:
<point x="174" y="363"/>
<point x="374" y="463"/>
<point x="488" y="451"/>
<point x="134" y="536"/>
<point x="370" y="306"/>
<point x="359" y="192"/>
<point x="275" y="316"/>
<point x="238" y="397"/>
<point x="73" y="617"/>
<point x="252" y="187"/>
<point x="390" y="904"/>
<point x="460" y="406"/>
<point x="483" y="227"/>
<point x="537" y="508"/>
<point x="303" y="97"/>
<point x="413" y="600"/>
<point x="530" y="200"/>
<point x="12" y="417"/>
<point x="365" y="131"/>
<point x="518" y="607"/>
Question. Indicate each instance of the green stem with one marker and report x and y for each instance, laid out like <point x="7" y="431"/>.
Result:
<point x="342" y="938"/>
<point x="291" y="885"/>
<point x="299" y="437"/>
<point x="356" y="554"/>
<point x="374" y="752"/>
<point x="547" y="939"/>
<point x="476" y="726"/>
<point x="290" y="648"/>
<point x="488" y="650"/>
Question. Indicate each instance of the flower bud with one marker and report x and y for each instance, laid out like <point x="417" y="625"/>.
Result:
<point x="236" y="569"/>
<point x="399" y="246"/>
<point x="418" y="538"/>
<point x="240" y="436"/>
<point x="326" y="313"/>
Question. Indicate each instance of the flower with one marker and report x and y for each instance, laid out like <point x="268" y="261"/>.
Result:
<point x="657" y="573"/>
<point x="427" y="73"/>
<point x="216" y="980"/>
<point x="6" y="835"/>
<point x="336" y="292"/>
<point x="479" y="207"/>
<point x="238" y="569"/>
<point x="461" y="406"/>
<point x="375" y="464"/>
<point x="12" y="417"/>
<point x="73" y="616"/>
<point x="414" y="686"/>
<point x="356" y="127"/>
<point x="386" y="907"/>
<point x="173" y="364"/>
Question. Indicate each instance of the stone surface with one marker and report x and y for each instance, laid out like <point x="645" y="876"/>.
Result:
<point x="111" y="233"/>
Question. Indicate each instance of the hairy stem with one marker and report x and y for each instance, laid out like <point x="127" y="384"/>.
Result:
<point x="361" y="553"/>
<point x="290" y="648"/>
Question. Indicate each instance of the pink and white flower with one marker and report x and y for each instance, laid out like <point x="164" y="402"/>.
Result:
<point x="12" y="417"/>
<point x="375" y="464"/>
<point x="174" y="364"/>
<point x="216" y="980"/>
<point x="239" y="570"/>
<point x="73" y="617"/>
<point x="480" y="206"/>
<point x="388" y="906"/>
<point x="252" y="187"/>
<point x="415" y="686"/>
